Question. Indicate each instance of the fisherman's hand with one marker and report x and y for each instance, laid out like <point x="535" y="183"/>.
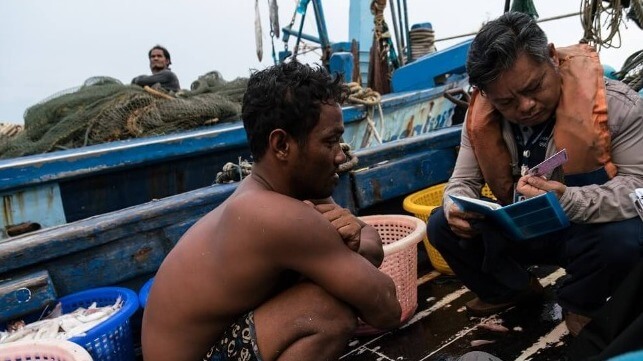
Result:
<point x="459" y="221"/>
<point x="348" y="226"/>
<point x="531" y="186"/>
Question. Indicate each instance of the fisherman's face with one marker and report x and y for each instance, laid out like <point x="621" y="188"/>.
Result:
<point x="528" y="93"/>
<point x="158" y="61"/>
<point x="317" y="161"/>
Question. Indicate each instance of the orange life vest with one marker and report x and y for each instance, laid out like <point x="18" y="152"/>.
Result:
<point x="581" y="124"/>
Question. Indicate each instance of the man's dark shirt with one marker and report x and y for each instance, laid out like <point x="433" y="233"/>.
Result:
<point x="166" y="78"/>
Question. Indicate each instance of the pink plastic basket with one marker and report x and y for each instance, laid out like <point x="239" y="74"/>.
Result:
<point x="400" y="235"/>
<point x="49" y="350"/>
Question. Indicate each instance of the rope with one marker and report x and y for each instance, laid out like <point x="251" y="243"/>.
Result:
<point x="10" y="130"/>
<point x="591" y="13"/>
<point x="380" y="69"/>
<point x="351" y="159"/>
<point x="232" y="172"/>
<point x="632" y="71"/>
<point x="157" y="93"/>
<point x="636" y="12"/>
<point x="371" y="99"/>
<point x="359" y="95"/>
<point x="422" y="42"/>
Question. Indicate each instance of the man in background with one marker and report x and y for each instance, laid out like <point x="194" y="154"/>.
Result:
<point x="160" y="62"/>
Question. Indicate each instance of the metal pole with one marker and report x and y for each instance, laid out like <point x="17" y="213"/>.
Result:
<point x="321" y="24"/>
<point x="400" y="24"/>
<point x="397" y="35"/>
<point x="301" y="28"/>
<point x="406" y="31"/>
<point x="538" y="21"/>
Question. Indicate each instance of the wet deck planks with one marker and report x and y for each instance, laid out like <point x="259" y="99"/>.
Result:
<point x="441" y="329"/>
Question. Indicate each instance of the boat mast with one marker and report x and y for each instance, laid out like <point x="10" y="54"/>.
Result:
<point x="360" y="28"/>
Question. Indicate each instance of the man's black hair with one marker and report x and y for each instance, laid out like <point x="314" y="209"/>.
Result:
<point x="165" y="53"/>
<point x="498" y="44"/>
<point x="287" y="96"/>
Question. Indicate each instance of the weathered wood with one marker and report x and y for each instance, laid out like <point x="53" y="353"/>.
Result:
<point x="402" y="176"/>
<point x="437" y="139"/>
<point x="26" y="294"/>
<point x="139" y="221"/>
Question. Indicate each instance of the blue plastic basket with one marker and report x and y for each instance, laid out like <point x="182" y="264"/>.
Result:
<point x="110" y="340"/>
<point x="144" y="292"/>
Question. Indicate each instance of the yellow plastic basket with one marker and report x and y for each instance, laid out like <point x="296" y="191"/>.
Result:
<point x="421" y="204"/>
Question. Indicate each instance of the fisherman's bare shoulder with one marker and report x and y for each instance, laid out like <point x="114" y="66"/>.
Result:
<point x="273" y="212"/>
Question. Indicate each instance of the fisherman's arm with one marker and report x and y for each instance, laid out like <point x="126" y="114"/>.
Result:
<point x="325" y="259"/>
<point x="466" y="178"/>
<point x="608" y="202"/>
<point x="149" y="80"/>
<point x="464" y="181"/>
<point x="357" y="235"/>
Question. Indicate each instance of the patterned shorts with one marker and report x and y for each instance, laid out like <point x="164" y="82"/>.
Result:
<point x="238" y="342"/>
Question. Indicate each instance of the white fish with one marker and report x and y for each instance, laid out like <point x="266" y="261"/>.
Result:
<point x="62" y="327"/>
<point x="476" y="343"/>
<point x="274" y="17"/>
<point x="21" y="334"/>
<point x="258" y="40"/>
<point x="496" y="327"/>
<point x="57" y="311"/>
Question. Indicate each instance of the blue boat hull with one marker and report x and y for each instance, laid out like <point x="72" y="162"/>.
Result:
<point x="66" y="186"/>
<point x="110" y="213"/>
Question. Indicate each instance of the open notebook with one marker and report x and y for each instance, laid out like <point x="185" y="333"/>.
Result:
<point x="522" y="220"/>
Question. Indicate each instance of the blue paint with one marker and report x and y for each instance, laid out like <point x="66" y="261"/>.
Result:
<point x="342" y="63"/>
<point x="608" y="72"/>
<point x="40" y="204"/>
<point x="25" y="294"/>
<point x="360" y="28"/>
<point x="421" y="74"/>
<point x="320" y="20"/>
<point x="427" y="25"/>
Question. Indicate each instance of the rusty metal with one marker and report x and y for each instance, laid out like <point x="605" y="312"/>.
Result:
<point x="451" y="96"/>
<point x="22" y="228"/>
<point x="30" y="209"/>
<point x="142" y="254"/>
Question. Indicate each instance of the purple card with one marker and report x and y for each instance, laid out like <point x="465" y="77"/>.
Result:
<point x="548" y="165"/>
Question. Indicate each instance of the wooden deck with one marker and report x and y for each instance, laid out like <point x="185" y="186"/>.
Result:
<point x="441" y="330"/>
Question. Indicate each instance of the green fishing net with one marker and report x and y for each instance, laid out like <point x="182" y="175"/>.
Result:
<point x="103" y="110"/>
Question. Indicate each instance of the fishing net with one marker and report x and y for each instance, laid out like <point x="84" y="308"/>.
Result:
<point x="632" y="71"/>
<point x="103" y="110"/>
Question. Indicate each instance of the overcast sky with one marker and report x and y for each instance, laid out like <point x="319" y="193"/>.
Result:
<point x="50" y="46"/>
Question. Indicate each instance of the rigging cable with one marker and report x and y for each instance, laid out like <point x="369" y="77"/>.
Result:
<point x="591" y="13"/>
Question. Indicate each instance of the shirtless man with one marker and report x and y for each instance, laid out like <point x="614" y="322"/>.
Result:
<point x="267" y="275"/>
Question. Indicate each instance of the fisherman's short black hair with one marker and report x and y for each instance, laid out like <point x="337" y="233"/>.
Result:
<point x="165" y="53"/>
<point x="499" y="43"/>
<point x="287" y="96"/>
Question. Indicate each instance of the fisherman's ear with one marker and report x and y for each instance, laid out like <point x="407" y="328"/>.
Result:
<point x="279" y="143"/>
<point x="553" y="54"/>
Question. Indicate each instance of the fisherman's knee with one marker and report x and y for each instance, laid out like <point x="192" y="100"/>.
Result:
<point x="618" y="244"/>
<point x="436" y="229"/>
<point x="330" y="316"/>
